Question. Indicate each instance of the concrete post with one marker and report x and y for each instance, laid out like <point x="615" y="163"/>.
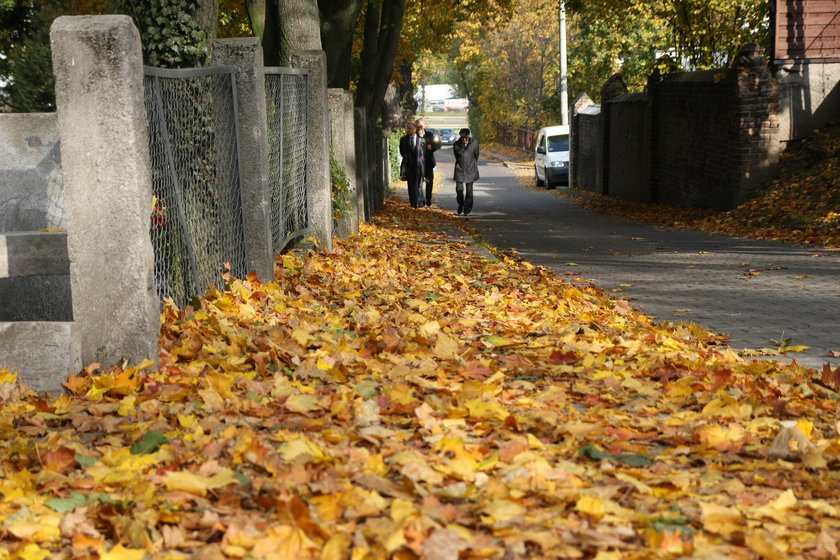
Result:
<point x="318" y="189"/>
<point x="350" y="155"/>
<point x="363" y="198"/>
<point x="380" y="151"/>
<point x="98" y="69"/>
<point x="247" y="56"/>
<point x="342" y="149"/>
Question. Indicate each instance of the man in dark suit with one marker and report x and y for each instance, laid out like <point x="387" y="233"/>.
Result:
<point x="432" y="145"/>
<point x="412" y="150"/>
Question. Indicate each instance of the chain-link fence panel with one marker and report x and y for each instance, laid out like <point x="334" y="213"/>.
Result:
<point x="286" y="104"/>
<point x="196" y="222"/>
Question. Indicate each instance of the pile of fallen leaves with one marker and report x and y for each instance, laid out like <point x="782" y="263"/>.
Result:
<point x="401" y="397"/>
<point x="802" y="205"/>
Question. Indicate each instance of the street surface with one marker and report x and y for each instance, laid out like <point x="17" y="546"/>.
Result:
<point x="760" y="293"/>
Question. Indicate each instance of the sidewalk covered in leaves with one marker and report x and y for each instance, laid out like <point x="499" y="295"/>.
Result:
<point x="403" y="397"/>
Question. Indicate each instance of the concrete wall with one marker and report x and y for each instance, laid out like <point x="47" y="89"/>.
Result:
<point x="31" y="195"/>
<point x="809" y="96"/>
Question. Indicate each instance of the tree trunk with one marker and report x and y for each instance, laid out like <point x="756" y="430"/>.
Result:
<point x="299" y="27"/>
<point x="207" y="15"/>
<point x="383" y="23"/>
<point x="338" y="25"/>
<point x="263" y="16"/>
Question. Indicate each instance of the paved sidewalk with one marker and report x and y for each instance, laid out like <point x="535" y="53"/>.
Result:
<point x="760" y="293"/>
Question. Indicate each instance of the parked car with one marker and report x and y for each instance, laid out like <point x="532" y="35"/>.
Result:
<point x="448" y="136"/>
<point x="435" y="134"/>
<point x="438" y="106"/>
<point x="551" y="156"/>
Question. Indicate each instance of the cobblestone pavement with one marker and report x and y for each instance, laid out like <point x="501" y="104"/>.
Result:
<point x="759" y="293"/>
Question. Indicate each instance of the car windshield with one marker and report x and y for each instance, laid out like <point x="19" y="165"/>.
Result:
<point x="558" y="143"/>
<point x="447" y="131"/>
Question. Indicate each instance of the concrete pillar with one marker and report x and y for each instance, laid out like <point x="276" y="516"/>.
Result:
<point x="98" y="69"/>
<point x="247" y="56"/>
<point x="318" y="189"/>
<point x="350" y="155"/>
<point x="363" y="198"/>
<point x="342" y="148"/>
<point x="380" y="152"/>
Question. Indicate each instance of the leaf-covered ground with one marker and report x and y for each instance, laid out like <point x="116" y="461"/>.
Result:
<point x="802" y="205"/>
<point x="401" y="397"/>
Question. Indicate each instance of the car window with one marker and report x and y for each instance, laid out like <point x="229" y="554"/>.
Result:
<point x="447" y="131"/>
<point x="558" y="143"/>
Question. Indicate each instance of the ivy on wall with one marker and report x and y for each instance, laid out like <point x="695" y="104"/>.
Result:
<point x="171" y="35"/>
<point x="340" y="189"/>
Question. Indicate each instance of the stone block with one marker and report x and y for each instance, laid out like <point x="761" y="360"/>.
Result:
<point x="58" y="352"/>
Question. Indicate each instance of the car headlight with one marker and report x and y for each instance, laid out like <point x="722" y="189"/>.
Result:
<point x="559" y="163"/>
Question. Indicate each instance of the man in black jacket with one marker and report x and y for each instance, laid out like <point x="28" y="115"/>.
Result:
<point x="412" y="150"/>
<point x="466" y="169"/>
<point x="432" y="145"/>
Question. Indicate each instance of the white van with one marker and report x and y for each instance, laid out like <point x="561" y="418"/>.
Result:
<point x="551" y="156"/>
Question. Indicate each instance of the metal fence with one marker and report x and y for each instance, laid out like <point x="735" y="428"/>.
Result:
<point x="522" y="138"/>
<point x="196" y="223"/>
<point x="286" y="107"/>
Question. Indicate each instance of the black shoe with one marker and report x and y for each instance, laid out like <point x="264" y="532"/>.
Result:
<point x="460" y="208"/>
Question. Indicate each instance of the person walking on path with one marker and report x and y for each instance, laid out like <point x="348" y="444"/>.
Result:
<point x="412" y="150"/>
<point x="429" y="168"/>
<point x="466" y="169"/>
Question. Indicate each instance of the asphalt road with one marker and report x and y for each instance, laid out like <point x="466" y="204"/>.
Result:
<point x="759" y="293"/>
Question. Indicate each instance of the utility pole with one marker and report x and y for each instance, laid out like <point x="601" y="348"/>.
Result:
<point x="564" y="89"/>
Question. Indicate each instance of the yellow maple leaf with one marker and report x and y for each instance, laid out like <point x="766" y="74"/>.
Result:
<point x="502" y="511"/>
<point x="486" y="410"/>
<point x="301" y="449"/>
<point x="591" y="505"/>
<point x="446" y="347"/>
<point x="193" y="483"/>
<point x="119" y="552"/>
<point x="720" y="519"/>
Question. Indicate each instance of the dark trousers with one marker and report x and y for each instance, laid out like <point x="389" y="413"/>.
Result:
<point x="415" y="190"/>
<point x="430" y="179"/>
<point x="464" y="202"/>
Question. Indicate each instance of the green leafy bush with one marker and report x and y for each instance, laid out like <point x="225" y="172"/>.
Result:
<point x="340" y="189"/>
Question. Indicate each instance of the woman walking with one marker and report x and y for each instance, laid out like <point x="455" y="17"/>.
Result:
<point x="466" y="169"/>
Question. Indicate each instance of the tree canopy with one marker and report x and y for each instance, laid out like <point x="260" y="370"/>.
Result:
<point x="503" y="53"/>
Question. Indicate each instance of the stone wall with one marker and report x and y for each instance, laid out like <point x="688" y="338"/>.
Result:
<point x="31" y="195"/>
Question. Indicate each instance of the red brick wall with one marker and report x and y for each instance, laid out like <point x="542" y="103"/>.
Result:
<point x="806" y="29"/>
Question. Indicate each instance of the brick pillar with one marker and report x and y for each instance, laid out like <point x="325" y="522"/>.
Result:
<point x="107" y="186"/>
<point x="757" y="110"/>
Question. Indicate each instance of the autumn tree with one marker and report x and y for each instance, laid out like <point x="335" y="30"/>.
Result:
<point x="25" y="56"/>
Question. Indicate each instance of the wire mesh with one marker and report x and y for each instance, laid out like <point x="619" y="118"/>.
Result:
<point x="196" y="221"/>
<point x="286" y="104"/>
